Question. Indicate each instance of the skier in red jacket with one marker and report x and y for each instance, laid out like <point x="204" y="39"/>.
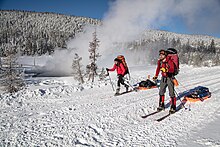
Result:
<point x="121" y="71"/>
<point x="166" y="66"/>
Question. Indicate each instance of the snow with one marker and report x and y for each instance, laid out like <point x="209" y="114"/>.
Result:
<point x="204" y="138"/>
<point x="55" y="111"/>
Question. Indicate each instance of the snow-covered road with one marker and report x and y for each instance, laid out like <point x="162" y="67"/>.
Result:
<point x="54" y="113"/>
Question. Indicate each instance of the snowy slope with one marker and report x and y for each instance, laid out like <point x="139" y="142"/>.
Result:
<point x="154" y="35"/>
<point x="55" y="112"/>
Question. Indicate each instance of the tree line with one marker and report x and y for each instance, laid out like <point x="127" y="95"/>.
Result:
<point x="196" y="54"/>
<point x="39" y="33"/>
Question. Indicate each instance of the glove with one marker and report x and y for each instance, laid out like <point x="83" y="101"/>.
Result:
<point x="155" y="78"/>
<point x="119" y="75"/>
<point x="164" y="69"/>
<point x="107" y="69"/>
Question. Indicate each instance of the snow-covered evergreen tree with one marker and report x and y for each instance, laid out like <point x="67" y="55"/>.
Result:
<point x="211" y="47"/>
<point x="11" y="78"/>
<point x="102" y="75"/>
<point x="216" y="60"/>
<point x="93" y="50"/>
<point x="77" y="69"/>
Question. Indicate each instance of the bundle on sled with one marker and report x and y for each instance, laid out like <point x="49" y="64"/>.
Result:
<point x="148" y="84"/>
<point x="199" y="93"/>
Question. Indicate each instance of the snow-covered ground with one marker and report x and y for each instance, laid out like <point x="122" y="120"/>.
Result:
<point x="56" y="112"/>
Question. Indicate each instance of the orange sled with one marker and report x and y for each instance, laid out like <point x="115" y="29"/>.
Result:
<point x="146" y="88"/>
<point x="190" y="99"/>
<point x="198" y="94"/>
<point x="145" y="85"/>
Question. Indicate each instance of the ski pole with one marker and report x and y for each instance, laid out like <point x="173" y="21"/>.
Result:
<point x="126" y="80"/>
<point x="129" y="76"/>
<point x="182" y="85"/>
<point x="180" y="99"/>
<point x="110" y="81"/>
<point x="130" y="85"/>
<point x="201" y="99"/>
<point x="179" y="95"/>
<point x="189" y="106"/>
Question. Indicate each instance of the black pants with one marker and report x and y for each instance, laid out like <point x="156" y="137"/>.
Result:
<point x="121" y="81"/>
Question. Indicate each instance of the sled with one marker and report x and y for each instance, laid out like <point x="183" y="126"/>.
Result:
<point x="197" y="94"/>
<point x="146" y="85"/>
<point x="189" y="99"/>
<point x="146" y="88"/>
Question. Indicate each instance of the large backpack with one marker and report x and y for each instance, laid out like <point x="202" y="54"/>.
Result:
<point x="122" y="59"/>
<point x="199" y="92"/>
<point x="148" y="83"/>
<point x="172" y="53"/>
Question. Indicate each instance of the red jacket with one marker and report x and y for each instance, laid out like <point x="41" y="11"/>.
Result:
<point x="119" y="68"/>
<point x="169" y="64"/>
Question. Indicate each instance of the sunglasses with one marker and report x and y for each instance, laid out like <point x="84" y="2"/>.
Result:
<point x="161" y="54"/>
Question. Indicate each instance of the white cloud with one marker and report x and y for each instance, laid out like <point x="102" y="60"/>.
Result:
<point x="126" y="19"/>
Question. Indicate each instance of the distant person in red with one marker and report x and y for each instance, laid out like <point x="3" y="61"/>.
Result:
<point x="166" y="66"/>
<point x="121" y="71"/>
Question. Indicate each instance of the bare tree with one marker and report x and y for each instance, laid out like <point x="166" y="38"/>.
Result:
<point x="77" y="69"/>
<point x="11" y="72"/>
<point x="93" y="47"/>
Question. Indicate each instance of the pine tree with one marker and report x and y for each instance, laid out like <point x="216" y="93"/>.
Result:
<point x="11" y="72"/>
<point x="102" y="75"/>
<point x="166" y="43"/>
<point x="216" y="60"/>
<point x="1" y="51"/>
<point x="77" y="69"/>
<point x="173" y="43"/>
<point x="202" y="47"/>
<point x="178" y="43"/>
<point x="93" y="47"/>
<point x="188" y="47"/>
<point x="211" y="47"/>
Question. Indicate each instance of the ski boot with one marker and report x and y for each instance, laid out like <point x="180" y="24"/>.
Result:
<point x="127" y="87"/>
<point x="172" y="109"/>
<point x="117" y="91"/>
<point x="161" y="103"/>
<point x="161" y="107"/>
<point x="173" y="105"/>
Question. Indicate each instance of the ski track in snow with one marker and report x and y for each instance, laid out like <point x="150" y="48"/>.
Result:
<point x="65" y="115"/>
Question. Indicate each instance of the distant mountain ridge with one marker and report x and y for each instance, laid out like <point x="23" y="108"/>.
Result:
<point x="193" y="39"/>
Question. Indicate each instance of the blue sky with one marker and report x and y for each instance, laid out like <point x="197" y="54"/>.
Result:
<point x="88" y="8"/>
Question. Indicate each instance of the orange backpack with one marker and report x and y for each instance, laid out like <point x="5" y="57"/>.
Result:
<point x="122" y="59"/>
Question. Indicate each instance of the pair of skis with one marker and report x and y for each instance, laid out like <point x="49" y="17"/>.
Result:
<point x="159" y="119"/>
<point x="126" y="92"/>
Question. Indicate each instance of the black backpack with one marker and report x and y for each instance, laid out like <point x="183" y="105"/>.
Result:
<point x="199" y="92"/>
<point x="148" y="83"/>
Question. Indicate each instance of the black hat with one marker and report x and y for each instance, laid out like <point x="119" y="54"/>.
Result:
<point x="163" y="52"/>
<point x="116" y="59"/>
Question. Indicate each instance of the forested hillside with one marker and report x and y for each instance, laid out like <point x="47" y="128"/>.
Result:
<point x="39" y="33"/>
